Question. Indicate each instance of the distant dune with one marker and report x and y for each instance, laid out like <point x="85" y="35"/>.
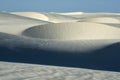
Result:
<point x="14" y="24"/>
<point x="34" y="15"/>
<point x="104" y="20"/>
<point x="71" y="39"/>
<point x="51" y="17"/>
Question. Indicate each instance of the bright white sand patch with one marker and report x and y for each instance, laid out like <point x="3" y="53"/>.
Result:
<point x="33" y="15"/>
<point x="73" y="31"/>
<point x="71" y="13"/>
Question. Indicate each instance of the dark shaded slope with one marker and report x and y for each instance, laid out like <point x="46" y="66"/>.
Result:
<point x="107" y="58"/>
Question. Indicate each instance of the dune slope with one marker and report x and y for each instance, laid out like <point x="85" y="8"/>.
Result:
<point x="48" y="40"/>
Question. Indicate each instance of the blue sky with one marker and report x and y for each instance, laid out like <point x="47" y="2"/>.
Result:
<point x="61" y="5"/>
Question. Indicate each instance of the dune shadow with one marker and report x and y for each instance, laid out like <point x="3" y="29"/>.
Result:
<point x="107" y="58"/>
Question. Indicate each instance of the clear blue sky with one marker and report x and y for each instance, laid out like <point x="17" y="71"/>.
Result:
<point x="61" y="5"/>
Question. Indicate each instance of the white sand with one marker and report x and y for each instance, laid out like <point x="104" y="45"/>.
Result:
<point x="34" y="15"/>
<point x="32" y="27"/>
<point x="35" y="30"/>
<point x="50" y="17"/>
<point x="104" y="20"/>
<point x="17" y="71"/>
<point x="14" y="24"/>
<point x="71" y="13"/>
<point x="74" y="31"/>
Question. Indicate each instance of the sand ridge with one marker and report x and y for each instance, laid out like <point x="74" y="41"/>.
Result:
<point x="50" y="17"/>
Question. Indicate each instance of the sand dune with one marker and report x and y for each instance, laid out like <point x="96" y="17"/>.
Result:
<point x="73" y="39"/>
<point x="94" y="15"/>
<point x="90" y="54"/>
<point x="34" y="15"/>
<point x="50" y="17"/>
<point x="103" y="20"/>
<point x="22" y="24"/>
<point x="82" y="45"/>
<point x="73" y="31"/>
<point x="14" y="24"/>
<point x="27" y="24"/>
<point x="8" y="16"/>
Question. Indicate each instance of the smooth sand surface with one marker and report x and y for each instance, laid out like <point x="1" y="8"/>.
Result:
<point x="50" y="17"/>
<point x="14" y="24"/>
<point x="34" y="15"/>
<point x="71" y="13"/>
<point x="104" y="20"/>
<point x="73" y="31"/>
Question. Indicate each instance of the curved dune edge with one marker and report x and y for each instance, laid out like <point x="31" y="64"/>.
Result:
<point x="50" y="17"/>
<point x="19" y="42"/>
<point x="60" y="33"/>
<point x="14" y="24"/>
<point x="73" y="31"/>
<point x="34" y="15"/>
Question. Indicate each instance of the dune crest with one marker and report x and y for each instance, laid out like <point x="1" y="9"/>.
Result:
<point x="14" y="24"/>
<point x="50" y="17"/>
<point x="34" y="15"/>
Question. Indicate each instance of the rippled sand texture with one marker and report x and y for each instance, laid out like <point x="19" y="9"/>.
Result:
<point x="15" y="71"/>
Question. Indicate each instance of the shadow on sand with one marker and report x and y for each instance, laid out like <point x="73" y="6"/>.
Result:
<point x="107" y="58"/>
